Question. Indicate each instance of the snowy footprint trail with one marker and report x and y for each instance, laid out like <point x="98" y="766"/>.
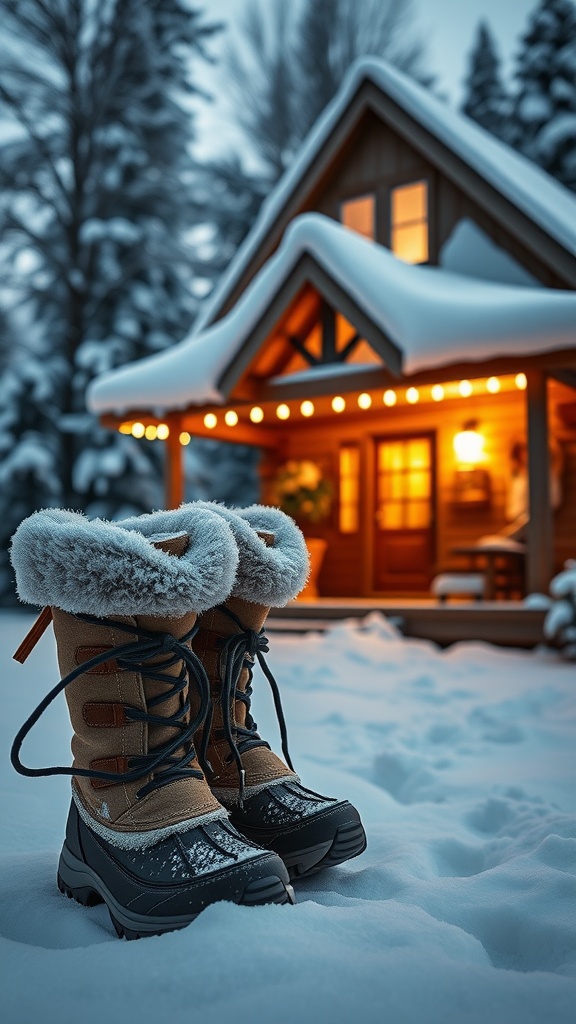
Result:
<point x="463" y="907"/>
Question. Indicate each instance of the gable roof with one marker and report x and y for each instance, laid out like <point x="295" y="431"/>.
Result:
<point x="429" y="318"/>
<point x="537" y="195"/>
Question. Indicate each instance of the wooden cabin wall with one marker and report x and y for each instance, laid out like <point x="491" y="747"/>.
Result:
<point x="378" y="158"/>
<point x="565" y="516"/>
<point x="501" y="419"/>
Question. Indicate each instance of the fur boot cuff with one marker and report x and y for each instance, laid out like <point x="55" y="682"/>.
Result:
<point x="273" y="575"/>
<point x="102" y="568"/>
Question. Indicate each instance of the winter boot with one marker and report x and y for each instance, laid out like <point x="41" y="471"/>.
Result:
<point x="144" y="834"/>
<point x="265" y="797"/>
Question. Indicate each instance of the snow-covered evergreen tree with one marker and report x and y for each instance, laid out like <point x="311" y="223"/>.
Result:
<point x="485" y="99"/>
<point x="30" y="447"/>
<point x="96" y="204"/>
<point x="545" y="107"/>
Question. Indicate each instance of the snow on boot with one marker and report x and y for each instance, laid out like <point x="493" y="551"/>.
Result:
<point x="144" y="834"/>
<point x="266" y="799"/>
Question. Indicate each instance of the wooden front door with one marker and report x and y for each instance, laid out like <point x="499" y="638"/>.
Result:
<point x="404" y="513"/>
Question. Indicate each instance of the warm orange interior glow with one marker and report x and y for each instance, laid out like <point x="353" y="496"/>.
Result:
<point x="349" y="510"/>
<point x="359" y="215"/>
<point x="404" y="484"/>
<point x="409" y="222"/>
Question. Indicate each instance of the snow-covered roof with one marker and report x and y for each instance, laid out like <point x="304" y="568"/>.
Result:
<point x="435" y="317"/>
<point x="538" y="195"/>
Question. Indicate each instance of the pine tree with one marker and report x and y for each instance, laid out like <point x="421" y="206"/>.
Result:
<point x="485" y="100"/>
<point x="545" y="107"/>
<point x="30" y="447"/>
<point x="96" y="203"/>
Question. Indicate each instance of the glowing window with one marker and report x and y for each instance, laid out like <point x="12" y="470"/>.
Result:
<point x="359" y="215"/>
<point x="349" y="510"/>
<point x="409" y="222"/>
<point x="404" y="484"/>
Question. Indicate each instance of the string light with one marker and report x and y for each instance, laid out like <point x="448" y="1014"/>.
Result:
<point x="521" y="381"/>
<point x="389" y="398"/>
<point x="307" y="408"/>
<point x="231" y="418"/>
<point x="210" y="420"/>
<point x="150" y="432"/>
<point x="364" y="401"/>
<point x="125" y="428"/>
<point x="465" y="388"/>
<point x="138" y="430"/>
<point x="412" y="396"/>
<point x="283" y="412"/>
<point x="437" y="393"/>
<point x="338" y="403"/>
<point x="493" y="385"/>
<point x="184" y="437"/>
<point x="163" y="431"/>
<point x="256" y="414"/>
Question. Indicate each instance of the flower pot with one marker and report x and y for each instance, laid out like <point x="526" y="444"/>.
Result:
<point x="316" y="549"/>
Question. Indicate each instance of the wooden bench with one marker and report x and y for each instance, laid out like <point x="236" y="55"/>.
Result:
<point x="458" y="584"/>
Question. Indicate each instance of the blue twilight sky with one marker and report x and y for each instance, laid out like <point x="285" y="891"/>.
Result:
<point x="448" y="26"/>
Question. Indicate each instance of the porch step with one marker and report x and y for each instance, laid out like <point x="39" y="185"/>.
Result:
<point x="505" y="623"/>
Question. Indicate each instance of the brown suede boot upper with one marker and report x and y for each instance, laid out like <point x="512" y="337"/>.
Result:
<point x="260" y="764"/>
<point x="104" y="739"/>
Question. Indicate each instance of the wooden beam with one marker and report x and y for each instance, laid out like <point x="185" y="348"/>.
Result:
<point x="242" y="433"/>
<point x="539" y="566"/>
<point x="567" y="377"/>
<point x="174" y="465"/>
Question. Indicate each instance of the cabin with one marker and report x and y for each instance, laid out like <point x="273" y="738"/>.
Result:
<point x="397" y="334"/>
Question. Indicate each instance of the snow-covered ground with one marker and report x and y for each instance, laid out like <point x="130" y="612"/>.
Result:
<point x="463" y="908"/>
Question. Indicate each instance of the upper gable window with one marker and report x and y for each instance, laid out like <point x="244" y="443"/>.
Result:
<point x="409" y="222"/>
<point x="359" y="214"/>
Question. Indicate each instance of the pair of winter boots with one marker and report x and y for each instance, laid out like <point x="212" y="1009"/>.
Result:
<point x="177" y="802"/>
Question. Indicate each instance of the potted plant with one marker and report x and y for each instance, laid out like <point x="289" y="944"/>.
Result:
<point x="303" y="492"/>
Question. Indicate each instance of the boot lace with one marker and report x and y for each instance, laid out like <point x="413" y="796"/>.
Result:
<point x="238" y="652"/>
<point x="162" y="761"/>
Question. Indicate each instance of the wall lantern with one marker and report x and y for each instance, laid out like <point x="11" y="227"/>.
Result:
<point x="469" y="445"/>
<point x="471" y="483"/>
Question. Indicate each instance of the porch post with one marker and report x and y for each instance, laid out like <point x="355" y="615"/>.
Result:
<point x="539" y="554"/>
<point x="174" y="466"/>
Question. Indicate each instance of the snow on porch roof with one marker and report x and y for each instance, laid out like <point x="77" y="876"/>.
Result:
<point x="433" y="316"/>
<point x="538" y="195"/>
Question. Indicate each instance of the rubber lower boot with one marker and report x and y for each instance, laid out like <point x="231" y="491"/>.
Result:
<point x="267" y="802"/>
<point x="145" y="833"/>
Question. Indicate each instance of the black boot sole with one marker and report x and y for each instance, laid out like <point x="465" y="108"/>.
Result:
<point x="320" y="841"/>
<point x="78" y="881"/>
<point x="348" y="842"/>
